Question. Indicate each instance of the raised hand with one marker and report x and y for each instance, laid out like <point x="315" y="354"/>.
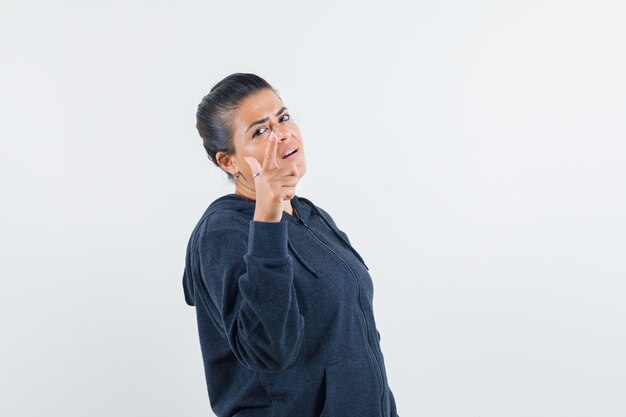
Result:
<point x="274" y="184"/>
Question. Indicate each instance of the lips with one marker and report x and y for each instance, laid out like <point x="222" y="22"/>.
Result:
<point x="288" y="152"/>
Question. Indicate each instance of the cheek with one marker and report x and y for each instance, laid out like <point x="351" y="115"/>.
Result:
<point x="251" y="148"/>
<point x="255" y="149"/>
<point x="298" y="140"/>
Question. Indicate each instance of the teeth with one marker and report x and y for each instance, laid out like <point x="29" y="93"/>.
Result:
<point x="289" y="153"/>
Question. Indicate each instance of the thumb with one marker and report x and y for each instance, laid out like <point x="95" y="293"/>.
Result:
<point x="254" y="164"/>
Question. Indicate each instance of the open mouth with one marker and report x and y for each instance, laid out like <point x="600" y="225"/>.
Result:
<point x="287" y="155"/>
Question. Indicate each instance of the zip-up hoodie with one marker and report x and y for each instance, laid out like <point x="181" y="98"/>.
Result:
<point x="284" y="312"/>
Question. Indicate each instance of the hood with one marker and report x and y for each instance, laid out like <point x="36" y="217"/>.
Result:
<point x="244" y="205"/>
<point x="303" y="207"/>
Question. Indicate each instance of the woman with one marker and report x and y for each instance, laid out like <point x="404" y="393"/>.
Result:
<point x="283" y="300"/>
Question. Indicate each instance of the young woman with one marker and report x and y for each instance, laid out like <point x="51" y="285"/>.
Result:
<point x="283" y="300"/>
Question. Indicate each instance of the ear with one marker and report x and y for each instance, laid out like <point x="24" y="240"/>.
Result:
<point x="227" y="163"/>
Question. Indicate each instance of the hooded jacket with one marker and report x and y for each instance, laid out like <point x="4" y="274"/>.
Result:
<point x="284" y="313"/>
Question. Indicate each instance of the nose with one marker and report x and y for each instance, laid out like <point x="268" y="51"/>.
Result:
<point x="280" y="134"/>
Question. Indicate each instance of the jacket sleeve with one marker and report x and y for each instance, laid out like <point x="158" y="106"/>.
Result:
<point x="249" y="278"/>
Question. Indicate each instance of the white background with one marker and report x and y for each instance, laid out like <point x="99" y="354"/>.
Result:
<point x="473" y="151"/>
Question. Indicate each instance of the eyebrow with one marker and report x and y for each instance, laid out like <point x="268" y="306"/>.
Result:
<point x="265" y="119"/>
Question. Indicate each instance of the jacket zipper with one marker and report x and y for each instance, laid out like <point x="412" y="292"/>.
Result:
<point x="358" y="294"/>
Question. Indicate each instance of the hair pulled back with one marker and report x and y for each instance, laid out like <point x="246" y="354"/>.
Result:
<point x="216" y="109"/>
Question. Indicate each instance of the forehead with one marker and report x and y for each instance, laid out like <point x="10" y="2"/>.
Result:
<point x="257" y="106"/>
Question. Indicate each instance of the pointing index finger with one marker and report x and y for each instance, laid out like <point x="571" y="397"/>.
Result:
<point x="269" y="158"/>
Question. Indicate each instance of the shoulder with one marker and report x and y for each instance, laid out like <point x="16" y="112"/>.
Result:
<point x="219" y="228"/>
<point x="226" y="219"/>
<point x="313" y="206"/>
<point x="320" y="211"/>
<point x="229" y="211"/>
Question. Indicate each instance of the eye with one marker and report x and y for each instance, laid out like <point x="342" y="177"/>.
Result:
<point x="259" y="131"/>
<point x="285" y="117"/>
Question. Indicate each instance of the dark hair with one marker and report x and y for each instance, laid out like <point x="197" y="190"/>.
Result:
<point x="216" y="109"/>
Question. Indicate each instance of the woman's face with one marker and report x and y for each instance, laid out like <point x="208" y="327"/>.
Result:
<point x="259" y="116"/>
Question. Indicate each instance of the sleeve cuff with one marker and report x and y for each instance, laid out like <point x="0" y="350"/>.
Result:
<point x="268" y="239"/>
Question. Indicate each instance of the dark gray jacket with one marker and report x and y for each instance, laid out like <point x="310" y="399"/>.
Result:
<point x="284" y="315"/>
